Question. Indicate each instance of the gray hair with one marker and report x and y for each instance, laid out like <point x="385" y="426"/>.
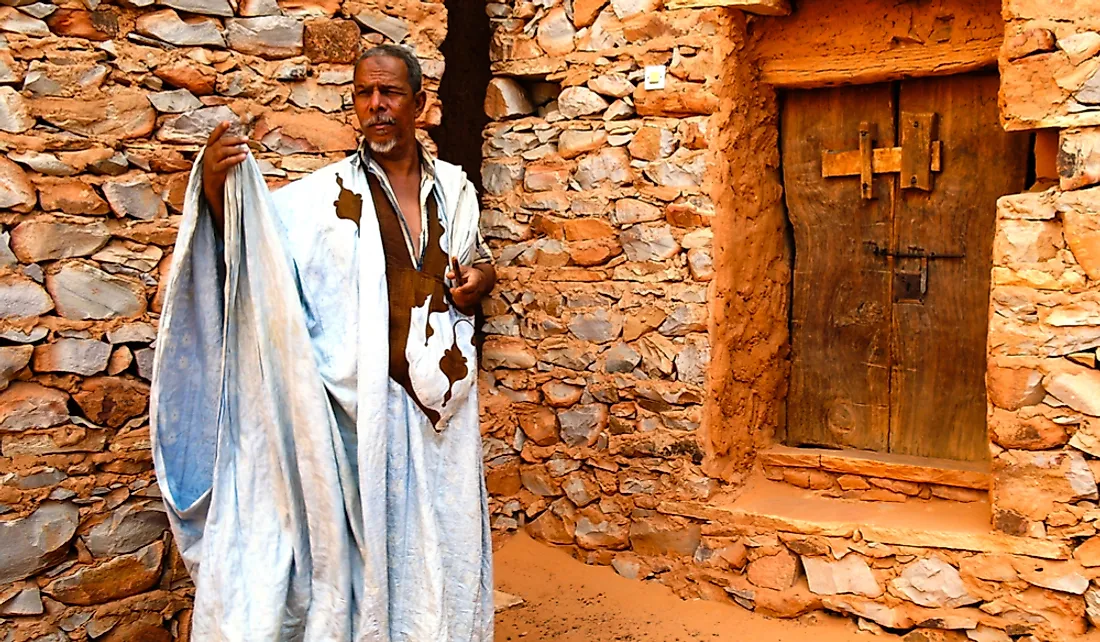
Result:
<point x="412" y="64"/>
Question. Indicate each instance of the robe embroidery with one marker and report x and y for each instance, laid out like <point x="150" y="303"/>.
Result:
<point x="349" y="205"/>
<point x="409" y="288"/>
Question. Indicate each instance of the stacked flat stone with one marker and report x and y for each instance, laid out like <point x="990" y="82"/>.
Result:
<point x="597" y="345"/>
<point x="103" y="106"/>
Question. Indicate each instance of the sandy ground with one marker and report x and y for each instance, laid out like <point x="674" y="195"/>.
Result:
<point x="567" y="601"/>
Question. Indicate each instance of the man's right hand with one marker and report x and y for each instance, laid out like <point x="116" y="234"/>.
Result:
<point x="223" y="153"/>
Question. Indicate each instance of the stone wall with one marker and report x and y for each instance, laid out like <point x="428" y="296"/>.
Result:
<point x="635" y="352"/>
<point x="1049" y="64"/>
<point x="102" y="108"/>
<point x="641" y="235"/>
<point x="596" y="347"/>
<point x="1043" y="382"/>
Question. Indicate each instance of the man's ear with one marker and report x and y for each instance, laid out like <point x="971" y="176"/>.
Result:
<point x="421" y="100"/>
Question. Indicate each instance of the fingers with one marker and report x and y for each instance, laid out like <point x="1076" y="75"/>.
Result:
<point x="227" y="163"/>
<point x="228" y="147"/>
<point x="463" y="301"/>
<point x="220" y="146"/>
<point x="459" y="274"/>
<point x="467" y="277"/>
<point x="217" y="133"/>
<point x="465" y="290"/>
<point x="224" y="154"/>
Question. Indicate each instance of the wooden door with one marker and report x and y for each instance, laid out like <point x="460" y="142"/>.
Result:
<point x="874" y="365"/>
<point x="840" y="311"/>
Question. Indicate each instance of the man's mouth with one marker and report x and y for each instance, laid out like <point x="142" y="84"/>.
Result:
<point x="380" y="123"/>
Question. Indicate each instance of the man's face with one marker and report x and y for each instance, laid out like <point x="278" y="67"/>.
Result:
<point x="385" y="103"/>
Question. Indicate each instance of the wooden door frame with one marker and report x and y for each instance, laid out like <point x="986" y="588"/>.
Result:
<point x="749" y="371"/>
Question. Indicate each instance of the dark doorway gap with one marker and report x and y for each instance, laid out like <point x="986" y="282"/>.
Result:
<point x="462" y="90"/>
<point x="1032" y="173"/>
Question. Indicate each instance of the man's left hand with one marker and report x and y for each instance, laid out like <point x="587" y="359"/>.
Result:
<point x="477" y="281"/>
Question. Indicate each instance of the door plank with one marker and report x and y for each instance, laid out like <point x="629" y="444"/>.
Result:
<point x="938" y="389"/>
<point x="840" y="310"/>
<point x="884" y="160"/>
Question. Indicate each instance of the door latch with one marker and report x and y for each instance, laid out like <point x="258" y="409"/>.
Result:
<point x="911" y="286"/>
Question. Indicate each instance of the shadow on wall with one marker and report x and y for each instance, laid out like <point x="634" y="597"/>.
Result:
<point x="462" y="90"/>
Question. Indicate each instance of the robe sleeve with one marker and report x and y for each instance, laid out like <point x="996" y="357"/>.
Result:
<point x="187" y="372"/>
<point x="189" y="369"/>
<point x="482" y="254"/>
<point x="480" y="251"/>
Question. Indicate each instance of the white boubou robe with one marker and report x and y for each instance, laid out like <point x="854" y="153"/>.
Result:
<point x="310" y="498"/>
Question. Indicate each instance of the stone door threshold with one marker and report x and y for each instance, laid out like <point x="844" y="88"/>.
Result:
<point x="765" y="506"/>
<point x="921" y="470"/>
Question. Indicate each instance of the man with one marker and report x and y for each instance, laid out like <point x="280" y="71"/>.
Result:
<point x="318" y="490"/>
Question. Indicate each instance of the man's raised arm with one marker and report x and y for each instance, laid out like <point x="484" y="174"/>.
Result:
<point x="223" y="153"/>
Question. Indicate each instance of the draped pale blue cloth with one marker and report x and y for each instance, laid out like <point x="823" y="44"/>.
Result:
<point x="310" y="498"/>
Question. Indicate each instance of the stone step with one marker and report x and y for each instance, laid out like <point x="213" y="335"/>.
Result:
<point x="767" y="506"/>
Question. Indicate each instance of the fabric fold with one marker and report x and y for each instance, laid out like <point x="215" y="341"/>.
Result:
<point x="251" y="432"/>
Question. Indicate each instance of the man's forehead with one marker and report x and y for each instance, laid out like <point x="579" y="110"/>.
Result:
<point x="381" y="69"/>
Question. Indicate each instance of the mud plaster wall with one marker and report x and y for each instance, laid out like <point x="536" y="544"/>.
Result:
<point x="750" y="297"/>
<point x="103" y="106"/>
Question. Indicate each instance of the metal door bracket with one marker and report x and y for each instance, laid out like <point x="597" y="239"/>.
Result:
<point x="911" y="286"/>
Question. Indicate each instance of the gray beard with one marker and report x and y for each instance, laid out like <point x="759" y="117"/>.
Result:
<point x="384" y="147"/>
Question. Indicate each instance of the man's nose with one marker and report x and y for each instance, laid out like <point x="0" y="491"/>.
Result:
<point x="375" y="100"/>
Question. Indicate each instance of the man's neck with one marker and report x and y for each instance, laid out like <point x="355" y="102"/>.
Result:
<point x="401" y="162"/>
